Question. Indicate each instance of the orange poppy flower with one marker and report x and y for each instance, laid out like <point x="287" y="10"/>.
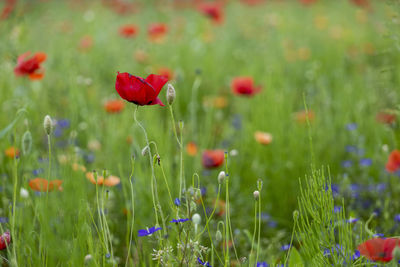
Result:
<point x="42" y="185"/>
<point x="263" y="137"/>
<point x="114" y="106"/>
<point x="191" y="148"/>
<point x="166" y="72"/>
<point x="379" y="249"/>
<point x="109" y="181"/>
<point x="11" y="152"/>
<point x="301" y="116"/>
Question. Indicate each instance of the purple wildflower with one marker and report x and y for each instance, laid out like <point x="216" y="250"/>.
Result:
<point x="179" y="220"/>
<point x="149" y="231"/>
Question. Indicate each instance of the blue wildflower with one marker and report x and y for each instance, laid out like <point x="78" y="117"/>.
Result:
<point x="285" y="247"/>
<point x="365" y="162"/>
<point x="149" y="231"/>
<point x="177" y="202"/>
<point x="108" y="255"/>
<point x="378" y="235"/>
<point x="179" y="220"/>
<point x="352" y="220"/>
<point x="356" y="255"/>
<point x="237" y="122"/>
<point x="347" y="163"/>
<point x="36" y="172"/>
<point x="397" y="218"/>
<point x="203" y="263"/>
<point x="63" y="123"/>
<point x="351" y="126"/>
<point x="337" y="209"/>
<point x="262" y="264"/>
<point x="351" y="149"/>
<point x="3" y="220"/>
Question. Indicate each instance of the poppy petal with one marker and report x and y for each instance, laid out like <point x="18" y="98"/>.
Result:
<point x="157" y="82"/>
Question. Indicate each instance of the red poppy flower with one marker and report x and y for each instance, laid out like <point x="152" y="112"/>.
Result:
<point x="360" y="3"/>
<point x="213" y="11"/>
<point x="378" y="249"/>
<point x="166" y="72"/>
<point x="138" y="90"/>
<point x="114" y="106"/>
<point x="120" y="7"/>
<point x="5" y="240"/>
<point x="244" y="86"/>
<point x="128" y="30"/>
<point x="308" y="2"/>
<point x="8" y="9"/>
<point x="31" y="66"/>
<point x="213" y="158"/>
<point x="393" y="163"/>
<point x="157" y="31"/>
<point x="385" y="117"/>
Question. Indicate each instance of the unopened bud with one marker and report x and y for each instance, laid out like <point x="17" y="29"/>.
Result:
<point x="145" y="150"/>
<point x="88" y="258"/>
<point x="295" y="215"/>
<point x="196" y="219"/>
<point x="218" y="236"/>
<point x="48" y="124"/>
<point x="256" y="195"/>
<point x="221" y="177"/>
<point x="170" y="94"/>
<point x="26" y="142"/>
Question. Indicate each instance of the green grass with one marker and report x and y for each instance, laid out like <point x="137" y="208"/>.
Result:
<point x="351" y="73"/>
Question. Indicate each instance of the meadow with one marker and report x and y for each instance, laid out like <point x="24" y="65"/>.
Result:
<point x="276" y="141"/>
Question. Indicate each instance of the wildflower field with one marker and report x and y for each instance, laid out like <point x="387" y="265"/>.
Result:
<point x="200" y="133"/>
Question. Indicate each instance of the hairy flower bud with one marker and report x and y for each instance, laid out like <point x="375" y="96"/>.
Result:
<point x="170" y="94"/>
<point x="218" y="236"/>
<point x="196" y="218"/>
<point x="26" y="142"/>
<point x="48" y="124"/>
<point x="256" y="195"/>
<point x="221" y="177"/>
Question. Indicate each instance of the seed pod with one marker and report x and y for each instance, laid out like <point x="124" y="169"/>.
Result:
<point x="196" y="218"/>
<point x="48" y="124"/>
<point x="170" y="94"/>
<point x="221" y="177"/>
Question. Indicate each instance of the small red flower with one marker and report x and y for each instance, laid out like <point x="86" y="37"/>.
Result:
<point x="157" y="31"/>
<point x="86" y="43"/>
<point x="244" y="86"/>
<point x="8" y="9"/>
<point x="378" y="249"/>
<point x="360" y="3"/>
<point x="393" y="163"/>
<point x="31" y="66"/>
<point x="212" y="10"/>
<point x="5" y="240"/>
<point x="385" y="117"/>
<point x="114" y="106"/>
<point x="128" y="31"/>
<point x="166" y="72"/>
<point x="138" y="90"/>
<point x="308" y="2"/>
<point x="213" y="158"/>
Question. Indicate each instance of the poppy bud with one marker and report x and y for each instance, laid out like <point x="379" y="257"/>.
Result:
<point x="48" y="124"/>
<point x="26" y="142"/>
<point x="170" y="94"/>
<point x="145" y="151"/>
<point x="24" y="193"/>
<point x="221" y="177"/>
<point x="256" y="195"/>
<point x="218" y="236"/>
<point x="88" y="258"/>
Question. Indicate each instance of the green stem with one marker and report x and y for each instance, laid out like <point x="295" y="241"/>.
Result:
<point x="254" y="233"/>
<point x="259" y="226"/>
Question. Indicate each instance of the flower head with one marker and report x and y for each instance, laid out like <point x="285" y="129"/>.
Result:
<point x="42" y="185"/>
<point x="379" y="249"/>
<point x="179" y="220"/>
<point x="244" y="86"/>
<point x="114" y="106"/>
<point x="393" y="163"/>
<point x="157" y="31"/>
<point x="263" y="137"/>
<point x="203" y="263"/>
<point x="5" y="240"/>
<point x="213" y="158"/>
<point x="149" y="231"/>
<point x="30" y="66"/>
<point x="128" y="30"/>
<point x="212" y="10"/>
<point x="138" y="90"/>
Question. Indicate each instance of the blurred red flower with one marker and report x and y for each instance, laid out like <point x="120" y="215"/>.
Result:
<point x="360" y="3"/>
<point x="114" y="106"/>
<point x="385" y="117"/>
<point x="213" y="158"/>
<point x="308" y="2"/>
<point x="11" y="152"/>
<point x="42" y="185"/>
<point x="120" y="7"/>
<point x="166" y="72"/>
<point x="128" y="30"/>
<point x="212" y="10"/>
<point x="157" y="31"/>
<point x="252" y="2"/>
<point x="31" y="66"/>
<point x="5" y="240"/>
<point x="378" y="249"/>
<point x="8" y="9"/>
<point x="86" y="43"/>
<point x="302" y="116"/>
<point x="393" y="163"/>
<point x="138" y="90"/>
<point x="244" y="86"/>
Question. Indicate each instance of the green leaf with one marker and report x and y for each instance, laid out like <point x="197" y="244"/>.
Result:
<point x="11" y="125"/>
<point x="295" y="259"/>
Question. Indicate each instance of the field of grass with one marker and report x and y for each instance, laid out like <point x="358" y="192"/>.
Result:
<point x="329" y="74"/>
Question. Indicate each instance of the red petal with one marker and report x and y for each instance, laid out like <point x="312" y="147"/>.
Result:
<point x="157" y="81"/>
<point x="134" y="89"/>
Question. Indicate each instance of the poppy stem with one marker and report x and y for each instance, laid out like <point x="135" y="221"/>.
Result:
<point x="254" y="234"/>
